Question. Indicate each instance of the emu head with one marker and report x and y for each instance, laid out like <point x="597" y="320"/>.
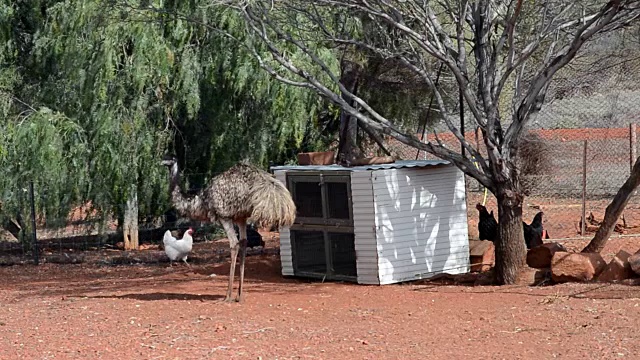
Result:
<point x="168" y="160"/>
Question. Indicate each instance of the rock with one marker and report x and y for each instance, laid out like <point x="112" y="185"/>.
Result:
<point x="529" y="276"/>
<point x="540" y="256"/>
<point x="634" y="262"/>
<point x="65" y="258"/>
<point x="481" y="255"/>
<point x="618" y="269"/>
<point x="630" y="282"/>
<point x="567" y="267"/>
<point x="542" y="276"/>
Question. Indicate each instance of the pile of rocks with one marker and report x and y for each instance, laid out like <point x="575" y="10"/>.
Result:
<point x="554" y="262"/>
<point x="565" y="266"/>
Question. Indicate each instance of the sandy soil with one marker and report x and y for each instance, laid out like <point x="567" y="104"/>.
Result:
<point x="151" y="311"/>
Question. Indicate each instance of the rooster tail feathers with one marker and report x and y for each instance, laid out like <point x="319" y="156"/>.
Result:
<point x="271" y="202"/>
<point x="537" y="219"/>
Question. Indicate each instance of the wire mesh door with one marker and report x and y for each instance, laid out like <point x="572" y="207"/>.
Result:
<point x="322" y="236"/>
<point x="309" y="254"/>
<point x="343" y="254"/>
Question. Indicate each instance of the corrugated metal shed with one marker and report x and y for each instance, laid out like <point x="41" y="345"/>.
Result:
<point x="395" y="165"/>
<point x="409" y="219"/>
<point x="421" y="223"/>
<point x="286" y="259"/>
<point x="364" y="217"/>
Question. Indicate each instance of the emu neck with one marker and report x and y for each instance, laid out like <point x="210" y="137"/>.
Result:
<point x="174" y="178"/>
<point x="191" y="207"/>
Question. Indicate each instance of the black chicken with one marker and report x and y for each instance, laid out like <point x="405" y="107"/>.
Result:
<point x="533" y="232"/>
<point x="487" y="226"/>
<point x="253" y="237"/>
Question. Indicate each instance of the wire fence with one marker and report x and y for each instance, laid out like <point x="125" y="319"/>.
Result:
<point x="575" y="155"/>
<point x="579" y="148"/>
<point x="573" y="170"/>
<point x="88" y="234"/>
<point x="564" y="172"/>
<point x="568" y="171"/>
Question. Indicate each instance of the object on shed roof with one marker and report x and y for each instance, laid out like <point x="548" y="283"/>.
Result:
<point x="396" y="165"/>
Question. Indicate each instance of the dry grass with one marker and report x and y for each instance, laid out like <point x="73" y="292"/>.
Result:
<point x="534" y="155"/>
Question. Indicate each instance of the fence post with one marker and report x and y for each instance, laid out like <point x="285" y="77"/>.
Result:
<point x="36" y="251"/>
<point x="584" y="189"/>
<point x="633" y="150"/>
<point x="464" y="136"/>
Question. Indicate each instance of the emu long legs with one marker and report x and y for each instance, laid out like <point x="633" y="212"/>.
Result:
<point x="236" y="245"/>
<point x="243" y="253"/>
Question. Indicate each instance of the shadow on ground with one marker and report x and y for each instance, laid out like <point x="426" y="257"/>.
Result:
<point x="155" y="296"/>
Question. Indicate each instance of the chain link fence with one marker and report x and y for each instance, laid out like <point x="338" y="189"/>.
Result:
<point x="563" y="171"/>
<point x="571" y="168"/>
<point x="86" y="233"/>
<point x="578" y="149"/>
<point x="575" y="155"/>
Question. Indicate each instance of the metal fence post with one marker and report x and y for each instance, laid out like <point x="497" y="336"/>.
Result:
<point x="633" y="148"/>
<point x="584" y="190"/>
<point x="36" y="252"/>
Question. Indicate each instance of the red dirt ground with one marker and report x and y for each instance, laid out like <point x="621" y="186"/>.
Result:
<point x="154" y="312"/>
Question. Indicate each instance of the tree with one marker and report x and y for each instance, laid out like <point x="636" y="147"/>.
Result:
<point x="496" y="51"/>
<point x="37" y="143"/>
<point x="614" y="210"/>
<point x="105" y="92"/>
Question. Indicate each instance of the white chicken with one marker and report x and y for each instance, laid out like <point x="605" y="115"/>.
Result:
<point x="178" y="249"/>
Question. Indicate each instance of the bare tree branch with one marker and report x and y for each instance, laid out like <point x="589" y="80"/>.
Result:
<point x="377" y="121"/>
<point x="484" y="45"/>
<point x="535" y="95"/>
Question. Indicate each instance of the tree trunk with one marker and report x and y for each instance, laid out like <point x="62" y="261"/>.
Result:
<point x="130" y="225"/>
<point x="347" y="142"/>
<point x="613" y="211"/>
<point x="14" y="226"/>
<point x="510" y="247"/>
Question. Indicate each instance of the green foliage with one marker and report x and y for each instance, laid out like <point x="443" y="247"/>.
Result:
<point x="49" y="149"/>
<point x="93" y="94"/>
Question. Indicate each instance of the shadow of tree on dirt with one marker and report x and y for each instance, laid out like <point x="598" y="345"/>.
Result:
<point x="144" y="282"/>
<point x="589" y="291"/>
<point x="155" y="296"/>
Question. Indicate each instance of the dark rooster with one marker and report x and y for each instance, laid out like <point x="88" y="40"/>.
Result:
<point x="533" y="232"/>
<point x="487" y="226"/>
<point x="253" y="236"/>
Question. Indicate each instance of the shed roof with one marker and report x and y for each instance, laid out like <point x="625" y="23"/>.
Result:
<point x="396" y="165"/>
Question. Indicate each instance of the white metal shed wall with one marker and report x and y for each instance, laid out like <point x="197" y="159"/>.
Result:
<point x="286" y="257"/>
<point x="364" y="227"/>
<point x="421" y="222"/>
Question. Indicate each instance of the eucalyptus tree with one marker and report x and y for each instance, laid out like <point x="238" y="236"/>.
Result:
<point x="497" y="52"/>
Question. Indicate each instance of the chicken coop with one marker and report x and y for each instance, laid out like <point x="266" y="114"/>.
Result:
<point x="375" y="224"/>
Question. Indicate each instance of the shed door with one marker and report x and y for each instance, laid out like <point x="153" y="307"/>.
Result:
<point x="322" y="199"/>
<point x="322" y="235"/>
